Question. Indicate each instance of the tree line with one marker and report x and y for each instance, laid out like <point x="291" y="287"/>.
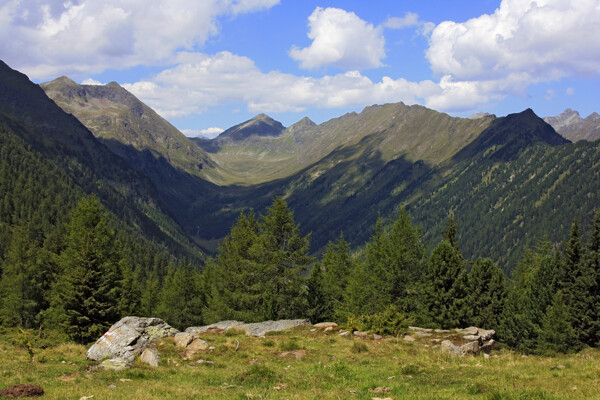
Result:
<point x="263" y="270"/>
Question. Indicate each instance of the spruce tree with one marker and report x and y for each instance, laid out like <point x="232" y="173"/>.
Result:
<point x="486" y="293"/>
<point x="337" y="266"/>
<point x="443" y="287"/>
<point x="593" y="266"/>
<point x="557" y="334"/>
<point x="319" y="307"/>
<point x="85" y="299"/>
<point x="283" y="255"/>
<point x="180" y="301"/>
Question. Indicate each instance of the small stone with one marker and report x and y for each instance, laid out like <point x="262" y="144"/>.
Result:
<point x="344" y="333"/>
<point x="381" y="389"/>
<point x="422" y="334"/>
<point x="205" y="362"/>
<point x="557" y="367"/>
<point x="377" y="337"/>
<point x="408" y="338"/>
<point x="313" y="330"/>
<point x="486" y="356"/>
<point x="211" y="347"/>
<point x="361" y="334"/>
<point x="329" y="328"/>
<point x="112" y="386"/>
<point x="198" y="345"/>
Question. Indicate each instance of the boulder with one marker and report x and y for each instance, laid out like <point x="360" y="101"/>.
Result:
<point x="182" y="339"/>
<point x="253" y="329"/>
<point x="115" y="364"/>
<point x="486" y="334"/>
<point x="325" y="325"/>
<point x="21" y="390"/>
<point x="150" y="357"/>
<point x="472" y="330"/>
<point x="197" y="346"/>
<point x="129" y="337"/>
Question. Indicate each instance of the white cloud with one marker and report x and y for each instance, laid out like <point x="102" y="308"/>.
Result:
<point x="90" y="81"/>
<point x="200" y="81"/>
<point x="340" y="39"/>
<point x="570" y="91"/>
<point x="45" y="38"/>
<point x="209" y="133"/>
<point x="539" y="40"/>
<point x="410" y="19"/>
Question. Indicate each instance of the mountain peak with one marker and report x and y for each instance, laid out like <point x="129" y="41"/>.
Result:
<point x="260" y="125"/>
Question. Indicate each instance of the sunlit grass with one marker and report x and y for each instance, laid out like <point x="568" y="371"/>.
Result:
<point x="331" y="367"/>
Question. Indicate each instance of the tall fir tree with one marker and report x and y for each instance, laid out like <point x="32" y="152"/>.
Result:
<point x="593" y="265"/>
<point x="485" y="295"/>
<point x="443" y="287"/>
<point x="557" y="333"/>
<point x="336" y="264"/>
<point x="180" y="301"/>
<point x="284" y="255"/>
<point x="85" y="298"/>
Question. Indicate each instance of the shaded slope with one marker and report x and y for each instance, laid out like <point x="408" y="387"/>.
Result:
<point x="29" y="116"/>
<point x="118" y="118"/>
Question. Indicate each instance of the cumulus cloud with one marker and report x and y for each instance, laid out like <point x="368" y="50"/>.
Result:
<point x="410" y="19"/>
<point x="209" y="133"/>
<point x="539" y="41"/>
<point x="201" y="81"/>
<point x="340" y="39"/>
<point x="44" y="38"/>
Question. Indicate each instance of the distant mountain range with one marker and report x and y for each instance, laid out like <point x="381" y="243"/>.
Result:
<point x="573" y="127"/>
<point x="510" y="181"/>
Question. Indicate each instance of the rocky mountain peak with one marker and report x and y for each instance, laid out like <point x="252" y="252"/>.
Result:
<point x="260" y="125"/>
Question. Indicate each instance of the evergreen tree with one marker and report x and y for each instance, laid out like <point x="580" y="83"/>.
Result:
<point x="336" y="265"/>
<point x="180" y="301"/>
<point x="234" y="282"/>
<point x="283" y="254"/>
<point x="593" y="266"/>
<point x="85" y="299"/>
<point x="319" y="306"/>
<point x="130" y="300"/>
<point x="485" y="298"/>
<point x="557" y="334"/>
<point x="150" y="295"/>
<point x="443" y="286"/>
<point x="451" y="231"/>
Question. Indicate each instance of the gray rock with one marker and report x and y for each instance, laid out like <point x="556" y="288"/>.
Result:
<point x="150" y="357"/>
<point x="408" y="338"/>
<point x="253" y="329"/>
<point x="471" y="337"/>
<point x="488" y="346"/>
<point x="115" y="364"/>
<point x="129" y="337"/>
<point x="486" y="334"/>
<point x="182" y="339"/>
<point x="470" y="348"/>
<point x="422" y="334"/>
<point x="416" y="328"/>
<point x="325" y="325"/>
<point x="472" y="330"/>
<point x="377" y="337"/>
<point x="360" y="334"/>
<point x="448" y="347"/>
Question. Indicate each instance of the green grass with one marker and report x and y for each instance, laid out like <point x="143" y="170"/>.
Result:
<point x="333" y="368"/>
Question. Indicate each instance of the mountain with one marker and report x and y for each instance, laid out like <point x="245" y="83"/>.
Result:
<point x="260" y="125"/>
<point x="508" y="180"/>
<point x="570" y="124"/>
<point x="127" y="126"/>
<point x="393" y="129"/>
<point x="68" y="163"/>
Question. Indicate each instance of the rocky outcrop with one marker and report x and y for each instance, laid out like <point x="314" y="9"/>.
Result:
<point x="129" y="337"/>
<point x="253" y="329"/>
<point x="456" y="342"/>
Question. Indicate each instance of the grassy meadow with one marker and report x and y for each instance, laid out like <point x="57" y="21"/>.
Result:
<point x="299" y="364"/>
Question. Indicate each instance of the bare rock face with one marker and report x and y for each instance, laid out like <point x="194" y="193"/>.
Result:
<point x="253" y="329"/>
<point x="182" y="339"/>
<point x="129" y="337"/>
<point x="20" y="391"/>
<point x="150" y="357"/>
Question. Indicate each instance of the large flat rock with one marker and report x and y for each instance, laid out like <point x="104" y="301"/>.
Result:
<point x="253" y="329"/>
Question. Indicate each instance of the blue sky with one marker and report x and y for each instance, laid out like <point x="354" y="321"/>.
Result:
<point x="207" y="65"/>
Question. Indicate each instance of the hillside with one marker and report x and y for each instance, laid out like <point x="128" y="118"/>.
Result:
<point x="570" y="124"/>
<point x="393" y="129"/>
<point x="127" y="126"/>
<point x="50" y="161"/>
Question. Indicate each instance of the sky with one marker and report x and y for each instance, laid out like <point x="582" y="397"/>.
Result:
<point x="206" y="65"/>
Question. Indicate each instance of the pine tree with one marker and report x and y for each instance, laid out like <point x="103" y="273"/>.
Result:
<point x="180" y="301"/>
<point x="319" y="306"/>
<point x="443" y="289"/>
<point x="85" y="299"/>
<point x="486" y="293"/>
<point x="337" y="266"/>
<point x="283" y="253"/>
<point x="557" y="334"/>
<point x="593" y="265"/>
<point x="234" y="282"/>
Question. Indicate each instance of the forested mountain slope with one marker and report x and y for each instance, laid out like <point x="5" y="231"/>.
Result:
<point x="50" y="160"/>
